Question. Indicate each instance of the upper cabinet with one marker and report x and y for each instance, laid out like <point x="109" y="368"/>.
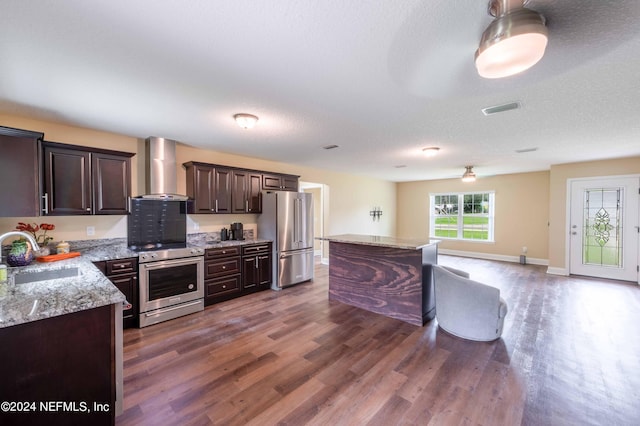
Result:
<point x="210" y="188"/>
<point x="82" y="181"/>
<point x="224" y="189"/>
<point x="246" y="186"/>
<point x="280" y="182"/>
<point x="19" y="173"/>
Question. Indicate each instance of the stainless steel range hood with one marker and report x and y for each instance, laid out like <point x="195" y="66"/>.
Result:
<point x="160" y="170"/>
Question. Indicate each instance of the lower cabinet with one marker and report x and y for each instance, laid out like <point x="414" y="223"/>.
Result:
<point x="230" y="272"/>
<point x="123" y="273"/>
<point x="60" y="370"/>
<point x="256" y="266"/>
<point x="222" y="275"/>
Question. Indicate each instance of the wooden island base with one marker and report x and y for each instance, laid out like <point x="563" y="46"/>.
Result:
<point x="383" y="276"/>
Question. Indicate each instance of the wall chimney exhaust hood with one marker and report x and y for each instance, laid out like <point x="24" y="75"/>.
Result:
<point x="160" y="170"/>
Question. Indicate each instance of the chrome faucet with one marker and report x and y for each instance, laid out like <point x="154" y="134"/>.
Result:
<point x="34" y="243"/>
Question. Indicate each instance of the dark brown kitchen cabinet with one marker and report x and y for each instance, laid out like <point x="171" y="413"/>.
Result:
<point x="123" y="273"/>
<point x="256" y="267"/>
<point x="68" y="359"/>
<point x="280" y="182"/>
<point x="210" y="188"/>
<point x="222" y="274"/>
<point x="19" y="172"/>
<point x="246" y="192"/>
<point x="83" y="181"/>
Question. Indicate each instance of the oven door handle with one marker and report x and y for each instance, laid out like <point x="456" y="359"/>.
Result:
<point x="172" y="308"/>
<point x="159" y="264"/>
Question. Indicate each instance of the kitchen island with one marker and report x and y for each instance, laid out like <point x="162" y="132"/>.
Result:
<point x="385" y="275"/>
<point x="60" y="327"/>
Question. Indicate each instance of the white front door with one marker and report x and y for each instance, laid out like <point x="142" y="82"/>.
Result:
<point x="604" y="228"/>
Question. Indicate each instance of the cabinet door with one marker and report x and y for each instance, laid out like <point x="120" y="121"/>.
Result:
<point x="200" y="187"/>
<point x="19" y="173"/>
<point x="264" y="270"/>
<point x="254" y="193"/>
<point x="271" y="182"/>
<point x="250" y="277"/>
<point x="111" y="183"/>
<point x="128" y="285"/>
<point x="67" y="181"/>
<point x="290" y="183"/>
<point x="240" y="190"/>
<point x="222" y="190"/>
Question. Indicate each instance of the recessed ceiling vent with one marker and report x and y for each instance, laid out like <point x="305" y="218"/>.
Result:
<point x="500" y="108"/>
<point x="330" y="147"/>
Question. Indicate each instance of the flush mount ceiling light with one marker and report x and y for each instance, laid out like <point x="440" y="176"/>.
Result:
<point x="515" y="41"/>
<point x="246" y="121"/>
<point x="430" y="151"/>
<point x="468" y="175"/>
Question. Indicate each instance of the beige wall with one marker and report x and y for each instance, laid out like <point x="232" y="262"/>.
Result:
<point x="559" y="176"/>
<point x="521" y="212"/>
<point x="348" y="198"/>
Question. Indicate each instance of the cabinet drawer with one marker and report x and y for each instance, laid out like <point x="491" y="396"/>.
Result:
<point x="257" y="249"/>
<point x="121" y="266"/>
<point x="222" y="286"/>
<point x="221" y="252"/>
<point x="222" y="267"/>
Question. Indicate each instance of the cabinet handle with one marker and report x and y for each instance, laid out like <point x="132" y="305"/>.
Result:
<point x="256" y="262"/>
<point x="246" y="208"/>
<point x="88" y="209"/>
<point x="45" y="197"/>
<point x="224" y="286"/>
<point x="216" y="210"/>
<point x="224" y="267"/>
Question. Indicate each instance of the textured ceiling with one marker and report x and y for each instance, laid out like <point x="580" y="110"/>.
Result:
<point x="381" y="79"/>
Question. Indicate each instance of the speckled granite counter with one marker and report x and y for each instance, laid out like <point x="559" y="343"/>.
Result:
<point x="22" y="303"/>
<point x="374" y="240"/>
<point x="31" y="301"/>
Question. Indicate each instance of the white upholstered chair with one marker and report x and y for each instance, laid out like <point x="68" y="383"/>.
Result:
<point x="466" y="308"/>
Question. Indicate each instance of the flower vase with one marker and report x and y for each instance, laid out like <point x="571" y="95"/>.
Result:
<point x="43" y="251"/>
<point x="20" y="253"/>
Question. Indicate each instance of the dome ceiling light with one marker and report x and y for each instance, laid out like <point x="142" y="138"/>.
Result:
<point x="430" y="151"/>
<point x="515" y="41"/>
<point x="246" y="121"/>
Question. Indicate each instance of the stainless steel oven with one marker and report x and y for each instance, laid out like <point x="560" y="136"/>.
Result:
<point x="171" y="284"/>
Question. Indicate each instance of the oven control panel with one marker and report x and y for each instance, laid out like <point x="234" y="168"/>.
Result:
<point x="153" y="256"/>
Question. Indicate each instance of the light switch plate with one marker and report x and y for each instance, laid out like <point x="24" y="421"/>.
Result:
<point x="91" y="230"/>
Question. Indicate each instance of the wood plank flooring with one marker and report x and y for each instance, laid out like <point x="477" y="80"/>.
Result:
<point x="569" y="355"/>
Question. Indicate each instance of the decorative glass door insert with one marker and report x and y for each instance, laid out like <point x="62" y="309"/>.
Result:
<point x="602" y="227"/>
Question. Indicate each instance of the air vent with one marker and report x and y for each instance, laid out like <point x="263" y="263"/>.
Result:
<point x="400" y="166"/>
<point x="500" y="108"/>
<point x="522" y="151"/>
<point x="330" y="147"/>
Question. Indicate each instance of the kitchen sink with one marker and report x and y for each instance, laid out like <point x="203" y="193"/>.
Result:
<point x="48" y="274"/>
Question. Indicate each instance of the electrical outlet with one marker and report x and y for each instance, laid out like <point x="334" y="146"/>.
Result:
<point x="196" y="226"/>
<point x="91" y="230"/>
<point x="524" y="249"/>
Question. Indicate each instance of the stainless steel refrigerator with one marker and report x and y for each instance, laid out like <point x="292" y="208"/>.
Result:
<point x="287" y="219"/>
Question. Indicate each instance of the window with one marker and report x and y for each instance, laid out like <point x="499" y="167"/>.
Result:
<point x="462" y="216"/>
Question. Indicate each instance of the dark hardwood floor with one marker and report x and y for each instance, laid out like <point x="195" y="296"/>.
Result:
<point x="569" y="355"/>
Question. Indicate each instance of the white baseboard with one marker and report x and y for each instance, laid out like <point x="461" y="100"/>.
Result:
<point x="489" y="256"/>
<point x="551" y="270"/>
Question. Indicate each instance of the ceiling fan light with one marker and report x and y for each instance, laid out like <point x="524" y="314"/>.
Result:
<point x="512" y="43"/>
<point x="469" y="175"/>
<point x="430" y="151"/>
<point x="246" y="121"/>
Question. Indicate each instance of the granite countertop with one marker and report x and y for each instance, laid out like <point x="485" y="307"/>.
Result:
<point x="88" y="288"/>
<point x="31" y="301"/>
<point x="374" y="240"/>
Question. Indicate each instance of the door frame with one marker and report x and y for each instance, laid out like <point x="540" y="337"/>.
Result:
<point x="567" y="225"/>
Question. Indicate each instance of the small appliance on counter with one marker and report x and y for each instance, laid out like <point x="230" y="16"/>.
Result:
<point x="224" y="234"/>
<point x="237" y="232"/>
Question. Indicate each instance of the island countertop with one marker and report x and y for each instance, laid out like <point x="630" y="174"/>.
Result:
<point x="375" y="240"/>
